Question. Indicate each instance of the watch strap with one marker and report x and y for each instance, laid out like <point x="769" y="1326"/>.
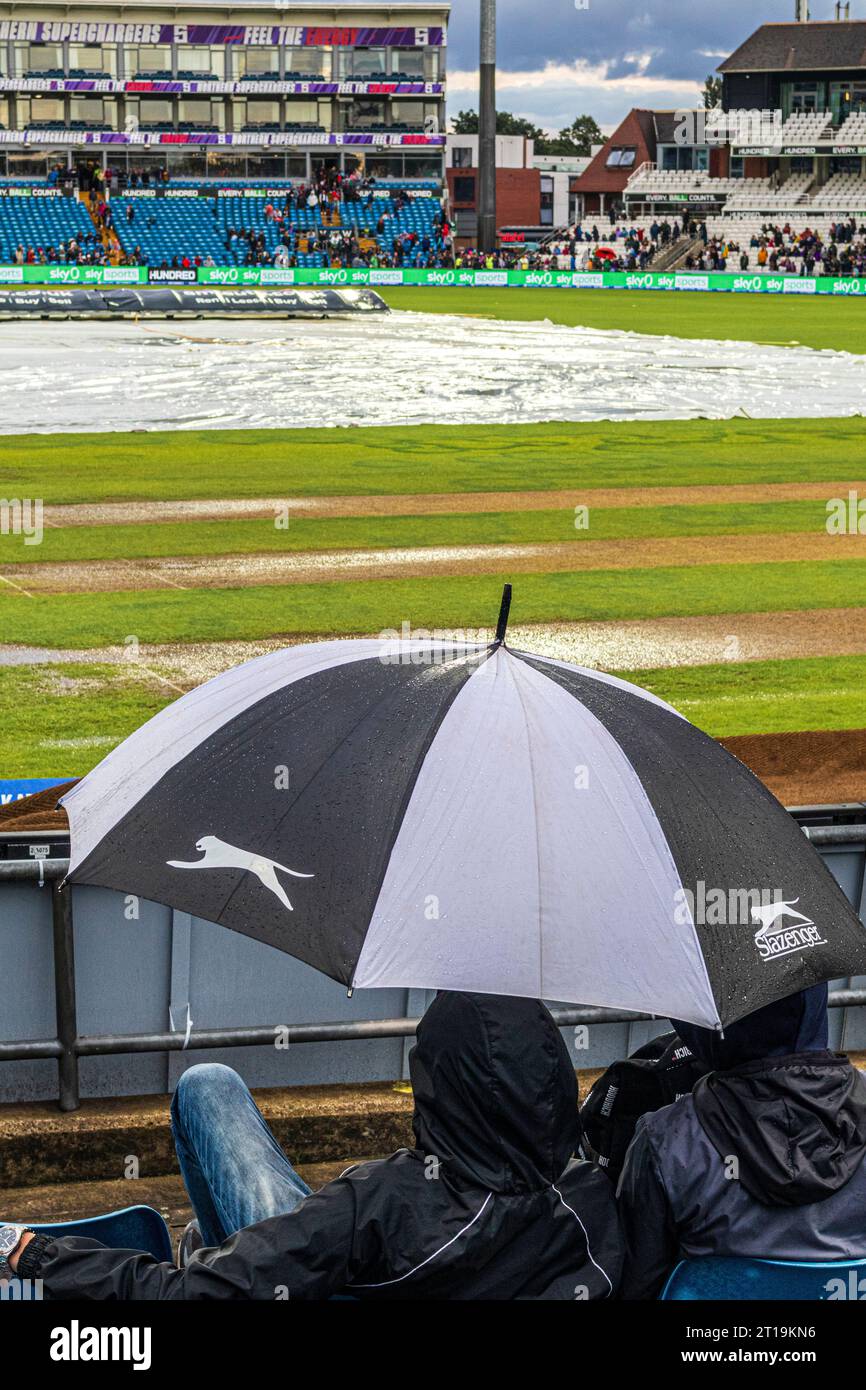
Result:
<point x="31" y="1256"/>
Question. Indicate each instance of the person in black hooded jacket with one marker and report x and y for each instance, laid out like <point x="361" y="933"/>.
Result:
<point x="490" y="1204"/>
<point x="766" y="1158"/>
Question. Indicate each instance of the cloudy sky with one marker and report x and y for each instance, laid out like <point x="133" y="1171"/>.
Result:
<point x="557" y="61"/>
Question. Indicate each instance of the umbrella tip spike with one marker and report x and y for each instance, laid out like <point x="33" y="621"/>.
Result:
<point x="502" y="624"/>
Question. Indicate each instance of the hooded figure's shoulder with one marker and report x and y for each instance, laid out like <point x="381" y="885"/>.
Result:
<point x="673" y="1128"/>
<point x="587" y="1186"/>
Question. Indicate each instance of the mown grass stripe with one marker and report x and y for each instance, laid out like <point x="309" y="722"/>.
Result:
<point x="85" y="620"/>
<point x="305" y="534"/>
<point x="168" y="466"/>
<point x="100" y="703"/>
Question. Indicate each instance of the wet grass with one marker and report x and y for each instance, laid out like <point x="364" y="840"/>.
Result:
<point x="96" y="706"/>
<point x="306" y="534"/>
<point x="61" y="720"/>
<point x="832" y="322"/>
<point x="167" y="466"/>
<point x="373" y="606"/>
<point x="761" y="697"/>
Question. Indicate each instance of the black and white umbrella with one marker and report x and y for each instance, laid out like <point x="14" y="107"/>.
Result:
<point x="465" y="816"/>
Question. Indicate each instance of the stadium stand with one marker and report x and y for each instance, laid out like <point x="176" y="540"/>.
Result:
<point x="40" y="222"/>
<point x="806" y="127"/>
<point x="786" y="195"/>
<point x="853" y="129"/>
<point x="841" y="191"/>
<point x="650" y="180"/>
<point x="825" y="245"/>
<point x="166" y="228"/>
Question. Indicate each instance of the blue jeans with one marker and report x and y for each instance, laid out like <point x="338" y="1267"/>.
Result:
<point x="234" y="1170"/>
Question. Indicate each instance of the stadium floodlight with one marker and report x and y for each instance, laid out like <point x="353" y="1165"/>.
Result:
<point x="487" y="129"/>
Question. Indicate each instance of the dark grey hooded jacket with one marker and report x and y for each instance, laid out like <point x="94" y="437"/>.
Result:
<point x="489" y="1205"/>
<point x="766" y="1158"/>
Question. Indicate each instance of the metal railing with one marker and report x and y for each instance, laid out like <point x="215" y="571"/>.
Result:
<point x="68" y="1047"/>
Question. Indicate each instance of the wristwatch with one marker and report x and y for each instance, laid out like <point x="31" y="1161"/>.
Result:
<point x="9" y="1239"/>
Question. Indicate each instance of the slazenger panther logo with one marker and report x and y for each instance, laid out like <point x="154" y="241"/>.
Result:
<point x="219" y="855"/>
<point x="774" y="938"/>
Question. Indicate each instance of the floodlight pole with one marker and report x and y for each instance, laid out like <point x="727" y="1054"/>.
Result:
<point x="487" y="129"/>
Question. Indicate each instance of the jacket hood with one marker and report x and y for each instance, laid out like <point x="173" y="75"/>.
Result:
<point x="797" y="1023"/>
<point x="495" y="1092"/>
<point x="796" y="1125"/>
<point x="790" y="1112"/>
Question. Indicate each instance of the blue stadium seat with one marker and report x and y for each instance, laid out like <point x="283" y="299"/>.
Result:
<point x="200" y="226"/>
<point x="131" y="1228"/>
<point x="39" y="222"/>
<point x="714" y="1279"/>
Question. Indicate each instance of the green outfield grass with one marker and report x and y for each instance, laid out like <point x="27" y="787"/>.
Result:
<point x="244" y="537"/>
<point x="373" y="606"/>
<point x="61" y="720"/>
<point x="166" y="466"/>
<point x="836" y="323"/>
<point x="761" y="697"/>
<point x="98" y="705"/>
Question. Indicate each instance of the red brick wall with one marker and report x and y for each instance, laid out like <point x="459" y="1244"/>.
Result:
<point x="755" y="168"/>
<point x="518" y="195"/>
<point x="720" y="161"/>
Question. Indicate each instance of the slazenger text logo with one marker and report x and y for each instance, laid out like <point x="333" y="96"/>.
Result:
<point x="781" y="927"/>
<point x="774" y="938"/>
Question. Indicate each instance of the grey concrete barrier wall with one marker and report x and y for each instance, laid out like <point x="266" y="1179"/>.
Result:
<point x="165" y="971"/>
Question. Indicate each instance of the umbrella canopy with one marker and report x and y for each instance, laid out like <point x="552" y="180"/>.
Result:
<point x="468" y="817"/>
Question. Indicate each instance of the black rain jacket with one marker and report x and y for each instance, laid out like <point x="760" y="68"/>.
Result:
<point x="766" y="1158"/>
<point x="489" y="1204"/>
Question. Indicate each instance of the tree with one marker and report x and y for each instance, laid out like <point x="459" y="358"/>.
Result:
<point x="575" y="139"/>
<point x="712" y="92"/>
<point x="466" y="123"/>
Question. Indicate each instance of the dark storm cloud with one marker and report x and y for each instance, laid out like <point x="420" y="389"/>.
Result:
<point x="609" y="56"/>
<point x="678" y="33"/>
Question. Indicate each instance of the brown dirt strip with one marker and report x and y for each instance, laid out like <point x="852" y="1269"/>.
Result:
<point x="622" y="646"/>
<point x="428" y="504"/>
<point x="801" y="769"/>
<point x="807" y="769"/>
<point x="245" y="571"/>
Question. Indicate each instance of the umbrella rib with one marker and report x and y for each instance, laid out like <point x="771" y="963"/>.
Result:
<point x="537" y="837"/>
